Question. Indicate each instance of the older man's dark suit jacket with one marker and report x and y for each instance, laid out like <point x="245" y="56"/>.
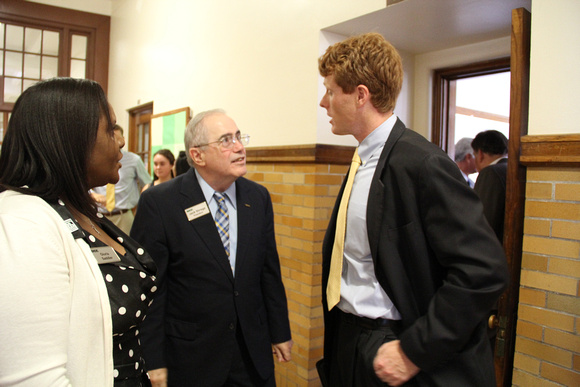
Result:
<point x="191" y="326"/>
<point x="435" y="256"/>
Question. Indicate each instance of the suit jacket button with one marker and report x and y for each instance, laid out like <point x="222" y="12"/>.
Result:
<point x="236" y="293"/>
<point x="232" y="326"/>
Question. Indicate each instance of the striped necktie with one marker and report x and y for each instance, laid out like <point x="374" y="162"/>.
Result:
<point x="222" y="221"/>
<point x="335" y="274"/>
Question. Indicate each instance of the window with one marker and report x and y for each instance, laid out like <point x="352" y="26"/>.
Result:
<point x="469" y="99"/>
<point x="482" y="103"/>
<point x="29" y="55"/>
<point x="38" y="42"/>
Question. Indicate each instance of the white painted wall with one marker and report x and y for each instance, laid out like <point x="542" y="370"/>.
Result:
<point x="555" y="67"/>
<point x="256" y="58"/>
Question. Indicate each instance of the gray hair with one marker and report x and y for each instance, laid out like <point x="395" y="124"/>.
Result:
<point x="196" y="131"/>
<point x="463" y="148"/>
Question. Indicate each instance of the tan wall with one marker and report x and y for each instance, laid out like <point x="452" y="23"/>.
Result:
<point x="303" y="196"/>
<point x="304" y="188"/>
<point x="548" y="330"/>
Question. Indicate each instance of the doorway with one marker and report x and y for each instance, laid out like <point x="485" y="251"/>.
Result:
<point x="140" y="132"/>
<point x="444" y="87"/>
<point x="468" y="99"/>
<point x="476" y="104"/>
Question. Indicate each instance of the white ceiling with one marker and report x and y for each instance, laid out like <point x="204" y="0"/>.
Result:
<point x="419" y="26"/>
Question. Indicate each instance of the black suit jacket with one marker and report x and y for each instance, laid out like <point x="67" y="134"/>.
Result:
<point x="435" y="256"/>
<point x="191" y="327"/>
<point x="491" y="187"/>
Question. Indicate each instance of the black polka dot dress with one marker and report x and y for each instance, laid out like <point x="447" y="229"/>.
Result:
<point x="131" y="287"/>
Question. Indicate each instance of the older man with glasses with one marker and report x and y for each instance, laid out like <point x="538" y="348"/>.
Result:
<point x="221" y="309"/>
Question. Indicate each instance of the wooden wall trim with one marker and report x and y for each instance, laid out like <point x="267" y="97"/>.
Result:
<point x="536" y="150"/>
<point x="550" y="150"/>
<point x="315" y="153"/>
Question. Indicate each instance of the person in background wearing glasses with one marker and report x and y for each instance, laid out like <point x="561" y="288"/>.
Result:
<point x="221" y="309"/>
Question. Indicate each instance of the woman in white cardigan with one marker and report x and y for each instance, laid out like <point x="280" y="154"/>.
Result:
<point x="59" y="311"/>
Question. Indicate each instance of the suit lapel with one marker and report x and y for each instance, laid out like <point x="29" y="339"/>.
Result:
<point x="204" y="226"/>
<point x="375" y="203"/>
<point x="246" y="211"/>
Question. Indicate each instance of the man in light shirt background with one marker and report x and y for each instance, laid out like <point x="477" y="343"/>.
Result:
<point x="132" y="177"/>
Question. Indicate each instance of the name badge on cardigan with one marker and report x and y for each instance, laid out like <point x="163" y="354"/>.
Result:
<point x="105" y="254"/>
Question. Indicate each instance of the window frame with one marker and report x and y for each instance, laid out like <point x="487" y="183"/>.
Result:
<point x="443" y="113"/>
<point x="68" y="23"/>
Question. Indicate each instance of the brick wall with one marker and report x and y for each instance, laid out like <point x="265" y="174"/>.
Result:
<point x="304" y="182"/>
<point x="548" y="330"/>
<point x="303" y="196"/>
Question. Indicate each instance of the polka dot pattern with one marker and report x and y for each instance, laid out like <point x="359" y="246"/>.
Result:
<point x="131" y="289"/>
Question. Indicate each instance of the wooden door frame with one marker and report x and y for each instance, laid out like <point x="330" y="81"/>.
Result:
<point x="515" y="192"/>
<point x="519" y="65"/>
<point x="135" y="115"/>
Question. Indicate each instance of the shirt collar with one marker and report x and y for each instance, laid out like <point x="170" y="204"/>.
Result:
<point x="208" y="191"/>
<point x="497" y="160"/>
<point x="376" y="140"/>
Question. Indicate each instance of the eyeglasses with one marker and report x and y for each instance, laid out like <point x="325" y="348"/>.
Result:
<point x="228" y="141"/>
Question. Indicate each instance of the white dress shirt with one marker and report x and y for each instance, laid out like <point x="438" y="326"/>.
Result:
<point x="467" y="179"/>
<point x="361" y="294"/>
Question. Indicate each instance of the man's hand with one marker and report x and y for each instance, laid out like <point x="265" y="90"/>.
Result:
<point x="158" y="377"/>
<point x="392" y="366"/>
<point x="283" y="351"/>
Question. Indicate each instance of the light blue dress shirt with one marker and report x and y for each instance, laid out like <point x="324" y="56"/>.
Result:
<point x="132" y="177"/>
<point x="230" y="195"/>
<point x="361" y="294"/>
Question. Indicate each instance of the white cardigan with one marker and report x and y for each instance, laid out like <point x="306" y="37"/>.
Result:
<point x="55" y="318"/>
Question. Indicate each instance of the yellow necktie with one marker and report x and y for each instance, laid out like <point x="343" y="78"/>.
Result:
<point x="333" y="287"/>
<point x="110" y="198"/>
